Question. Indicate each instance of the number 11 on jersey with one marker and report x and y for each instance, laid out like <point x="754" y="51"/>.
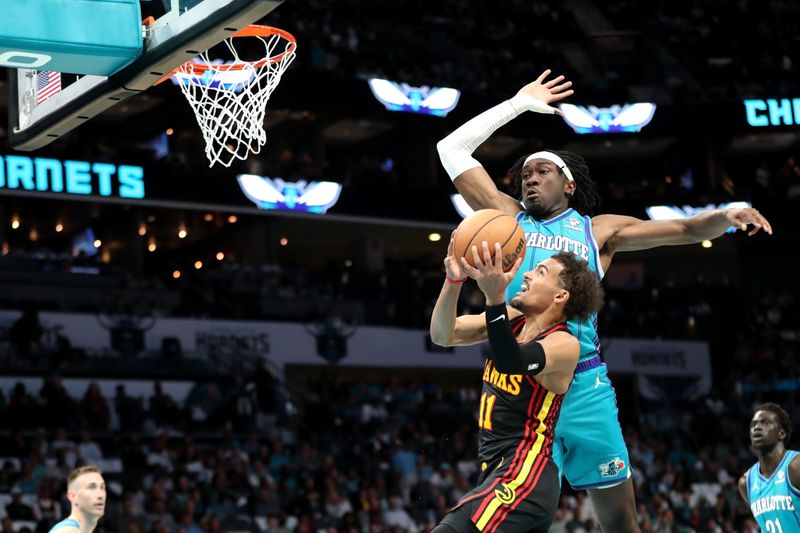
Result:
<point x="485" y="413"/>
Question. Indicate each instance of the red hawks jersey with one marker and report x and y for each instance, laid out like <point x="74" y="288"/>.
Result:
<point x="516" y="412"/>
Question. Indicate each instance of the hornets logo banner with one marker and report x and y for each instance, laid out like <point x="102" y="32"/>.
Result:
<point x="305" y="197"/>
<point x="614" y="119"/>
<point x="437" y="101"/>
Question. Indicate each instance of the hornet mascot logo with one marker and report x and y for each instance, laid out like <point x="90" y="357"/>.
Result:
<point x="305" y="197"/>
<point x="614" y="119"/>
<point x="612" y="468"/>
<point x="438" y="101"/>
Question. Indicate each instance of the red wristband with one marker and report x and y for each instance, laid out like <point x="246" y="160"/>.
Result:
<point x="455" y="281"/>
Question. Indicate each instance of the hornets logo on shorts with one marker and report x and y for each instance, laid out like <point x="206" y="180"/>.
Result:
<point x="612" y="468"/>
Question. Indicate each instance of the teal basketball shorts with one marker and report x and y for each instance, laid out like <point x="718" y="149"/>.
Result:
<point x="589" y="449"/>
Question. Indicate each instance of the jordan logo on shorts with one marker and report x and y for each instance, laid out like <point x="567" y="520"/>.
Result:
<point x="597" y="381"/>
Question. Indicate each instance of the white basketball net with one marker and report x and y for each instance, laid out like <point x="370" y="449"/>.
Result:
<point x="230" y="100"/>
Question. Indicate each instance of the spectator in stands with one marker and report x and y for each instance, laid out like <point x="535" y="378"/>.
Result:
<point x="58" y="404"/>
<point x="46" y="510"/>
<point x="88" y="450"/>
<point x="129" y="410"/>
<point x="337" y="506"/>
<point x="159" y="455"/>
<point x="163" y="409"/>
<point x="395" y="516"/>
<point x="95" y="408"/>
<point x="16" y="509"/>
<point x="26" y="333"/>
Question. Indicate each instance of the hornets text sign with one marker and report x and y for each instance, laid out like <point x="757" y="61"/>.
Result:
<point x="23" y="173"/>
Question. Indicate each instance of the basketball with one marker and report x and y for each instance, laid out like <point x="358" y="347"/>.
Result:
<point x="492" y="226"/>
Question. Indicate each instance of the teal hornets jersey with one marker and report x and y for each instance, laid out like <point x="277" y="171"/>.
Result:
<point x="67" y="522"/>
<point x="775" y="503"/>
<point x="567" y="232"/>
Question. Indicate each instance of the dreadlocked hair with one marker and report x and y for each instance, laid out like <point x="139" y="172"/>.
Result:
<point x="585" y="198"/>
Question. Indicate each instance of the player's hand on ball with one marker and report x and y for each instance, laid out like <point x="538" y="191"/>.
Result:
<point x="549" y="91"/>
<point x="748" y="216"/>
<point x="488" y="272"/>
<point x="452" y="266"/>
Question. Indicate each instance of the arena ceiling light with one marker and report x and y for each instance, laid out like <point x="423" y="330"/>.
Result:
<point x="463" y="208"/>
<point x="395" y="96"/>
<point x="302" y="196"/>
<point x="623" y="118"/>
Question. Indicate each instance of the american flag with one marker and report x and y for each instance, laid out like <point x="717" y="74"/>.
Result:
<point x="48" y="84"/>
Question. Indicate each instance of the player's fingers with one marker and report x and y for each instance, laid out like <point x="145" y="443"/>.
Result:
<point x="552" y="82"/>
<point x="562" y="87"/>
<point x="561" y="96"/>
<point x="764" y="223"/>
<point x="471" y="272"/>
<point x="542" y="76"/>
<point x="498" y="257"/>
<point x="514" y="269"/>
<point x="476" y="258"/>
<point x="487" y="255"/>
<point x="751" y="218"/>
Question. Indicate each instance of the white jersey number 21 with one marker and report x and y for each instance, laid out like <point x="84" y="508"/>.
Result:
<point x="774" y="526"/>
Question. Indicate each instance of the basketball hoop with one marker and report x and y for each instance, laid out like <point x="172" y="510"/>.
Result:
<point x="230" y="99"/>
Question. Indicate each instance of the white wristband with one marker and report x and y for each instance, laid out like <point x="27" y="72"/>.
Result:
<point x="522" y="102"/>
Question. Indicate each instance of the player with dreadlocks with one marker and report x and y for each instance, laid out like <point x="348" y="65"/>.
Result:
<point x="584" y="198"/>
<point x="557" y="200"/>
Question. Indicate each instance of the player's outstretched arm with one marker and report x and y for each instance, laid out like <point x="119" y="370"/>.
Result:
<point x="455" y="150"/>
<point x="448" y="329"/>
<point x="616" y="233"/>
<point x="743" y="489"/>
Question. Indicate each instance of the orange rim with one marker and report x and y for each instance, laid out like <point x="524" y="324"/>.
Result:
<point x="254" y="30"/>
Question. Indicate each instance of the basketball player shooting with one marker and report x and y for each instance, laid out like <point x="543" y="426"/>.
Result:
<point x="86" y="492"/>
<point x="771" y="487"/>
<point x="530" y="368"/>
<point x="558" y="196"/>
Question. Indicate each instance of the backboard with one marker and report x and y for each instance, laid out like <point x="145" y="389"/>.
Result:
<point x="187" y="28"/>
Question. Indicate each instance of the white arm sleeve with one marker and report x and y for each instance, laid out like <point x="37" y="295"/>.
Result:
<point x="455" y="150"/>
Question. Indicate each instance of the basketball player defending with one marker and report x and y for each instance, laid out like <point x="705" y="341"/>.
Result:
<point x="86" y="492"/>
<point x="557" y="198"/>
<point x="530" y="368"/>
<point x="771" y="487"/>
